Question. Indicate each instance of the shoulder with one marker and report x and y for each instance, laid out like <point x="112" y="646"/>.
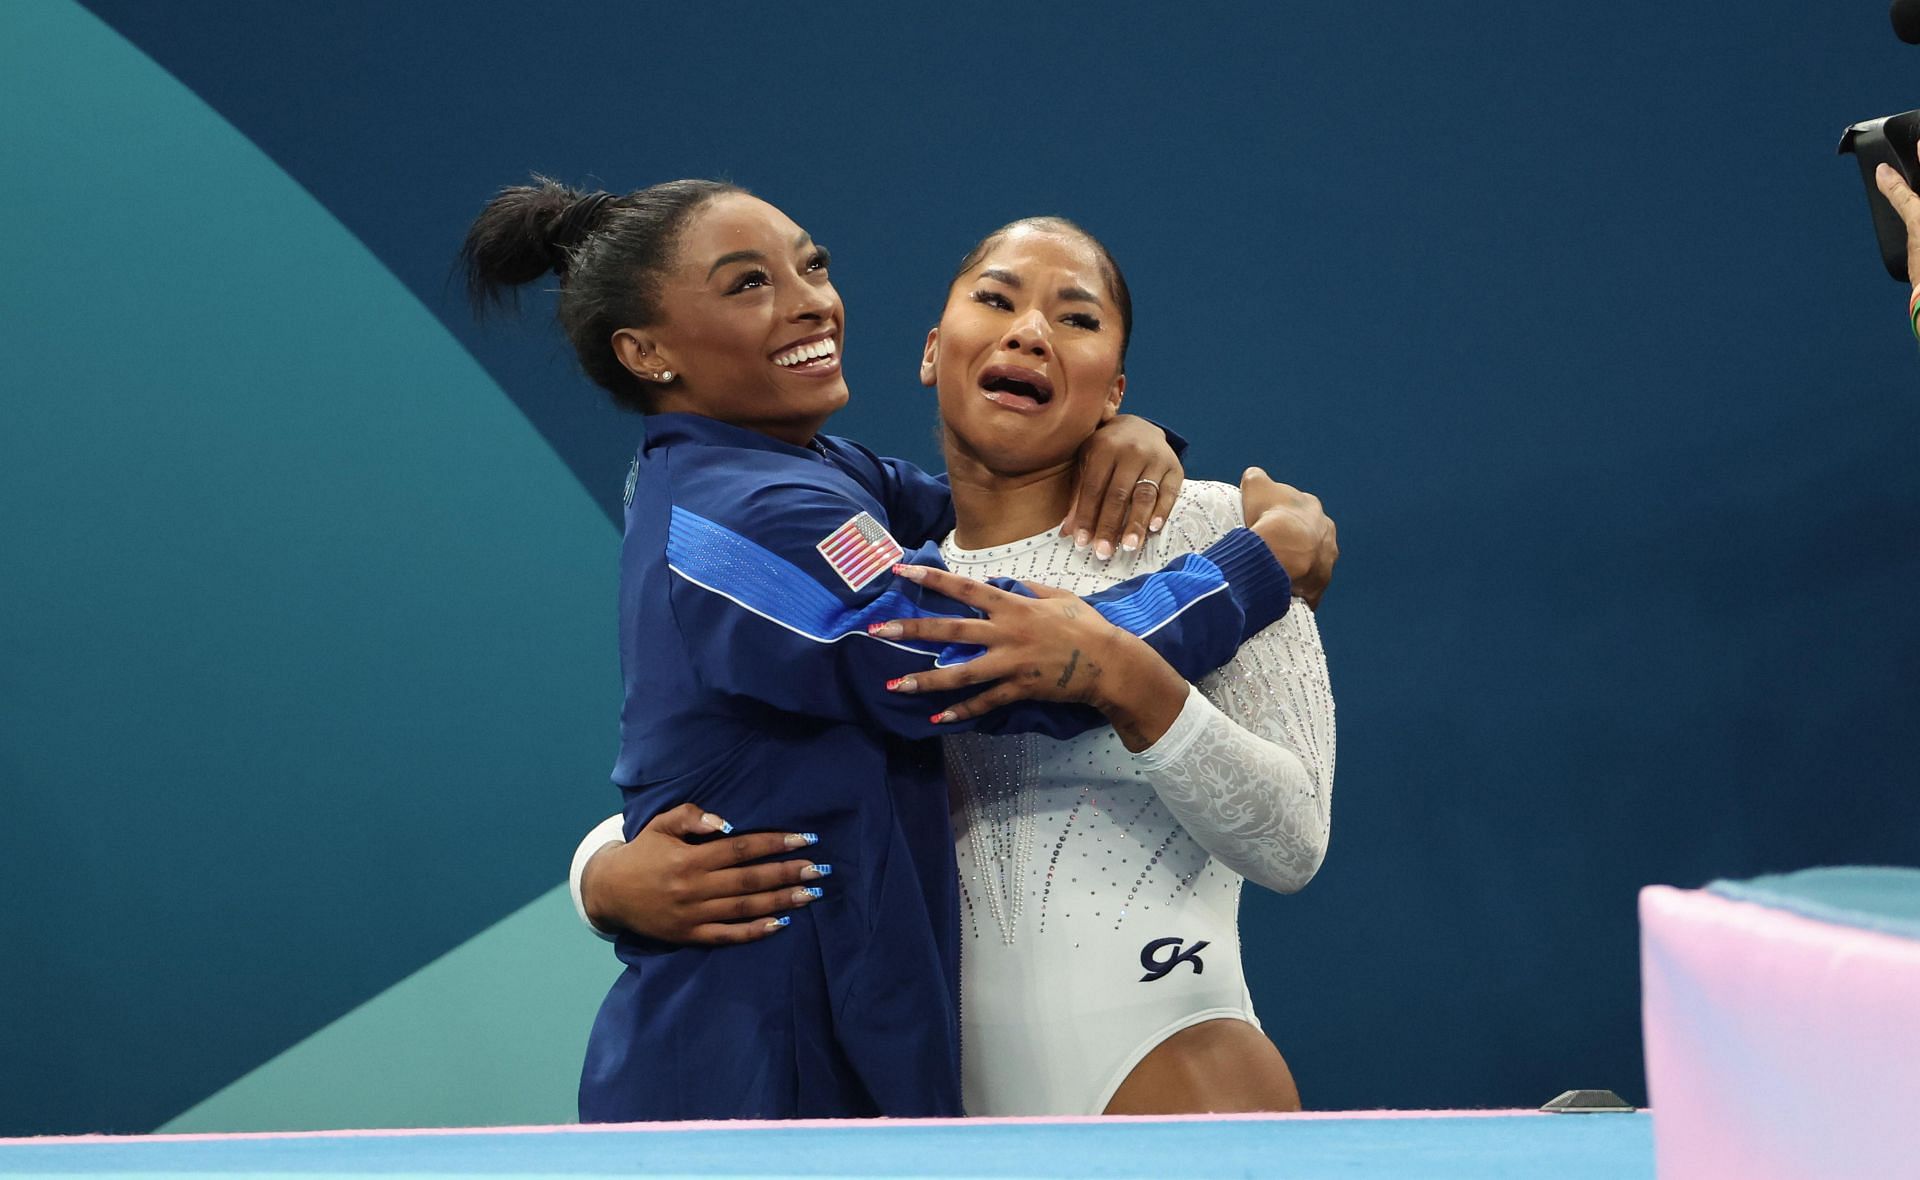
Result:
<point x="766" y="494"/>
<point x="783" y="526"/>
<point x="1205" y="512"/>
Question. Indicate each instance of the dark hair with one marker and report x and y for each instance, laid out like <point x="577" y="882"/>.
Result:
<point x="1109" y="269"/>
<point x="609" y="252"/>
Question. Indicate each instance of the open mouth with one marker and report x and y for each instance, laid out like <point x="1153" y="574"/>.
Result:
<point x="818" y="355"/>
<point x="1016" y="388"/>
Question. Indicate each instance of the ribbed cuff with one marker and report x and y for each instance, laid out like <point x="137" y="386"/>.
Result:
<point x="1255" y="578"/>
<point x="611" y="830"/>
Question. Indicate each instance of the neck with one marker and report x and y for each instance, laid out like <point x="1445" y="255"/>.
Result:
<point x="994" y="507"/>
<point x="794" y="432"/>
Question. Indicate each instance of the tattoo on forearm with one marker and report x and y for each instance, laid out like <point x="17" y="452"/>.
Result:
<point x="1073" y="661"/>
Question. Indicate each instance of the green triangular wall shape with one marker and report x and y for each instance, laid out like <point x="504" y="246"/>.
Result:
<point x="491" y="1033"/>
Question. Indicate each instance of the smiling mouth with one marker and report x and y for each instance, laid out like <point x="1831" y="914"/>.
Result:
<point x="809" y="356"/>
<point x="1016" y="388"/>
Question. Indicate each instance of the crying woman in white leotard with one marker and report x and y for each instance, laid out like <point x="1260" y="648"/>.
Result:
<point x="1100" y="877"/>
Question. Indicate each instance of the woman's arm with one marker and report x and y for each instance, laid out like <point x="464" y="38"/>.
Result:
<point x="1247" y="768"/>
<point x="788" y="601"/>
<point x="685" y="878"/>
<point x="1128" y="479"/>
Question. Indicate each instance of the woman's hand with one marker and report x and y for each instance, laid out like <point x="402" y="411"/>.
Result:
<point x="1052" y="647"/>
<point x="679" y="881"/>
<point x="1907" y="205"/>
<point x="1296" y="527"/>
<point x="1129" y="478"/>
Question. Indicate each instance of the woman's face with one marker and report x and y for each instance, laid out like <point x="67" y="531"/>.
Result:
<point x="750" y="325"/>
<point x="1027" y="353"/>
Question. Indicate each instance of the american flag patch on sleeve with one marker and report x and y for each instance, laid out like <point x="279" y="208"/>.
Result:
<point x="860" y="551"/>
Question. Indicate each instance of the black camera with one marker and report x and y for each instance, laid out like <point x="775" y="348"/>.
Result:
<point x="1887" y="140"/>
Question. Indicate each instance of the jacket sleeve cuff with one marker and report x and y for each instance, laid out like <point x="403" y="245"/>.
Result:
<point x="1174" y="439"/>
<point x="1255" y="578"/>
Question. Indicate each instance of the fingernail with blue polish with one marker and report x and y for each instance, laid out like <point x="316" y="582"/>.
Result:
<point x="819" y="871"/>
<point x="776" y="923"/>
<point x="809" y="893"/>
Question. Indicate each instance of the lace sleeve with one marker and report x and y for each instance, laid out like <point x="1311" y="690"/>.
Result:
<point x="1247" y="768"/>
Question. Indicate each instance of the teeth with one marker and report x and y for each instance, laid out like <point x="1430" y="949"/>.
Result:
<point x="806" y="352"/>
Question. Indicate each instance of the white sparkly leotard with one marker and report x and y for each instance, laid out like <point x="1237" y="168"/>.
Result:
<point x="1100" y="889"/>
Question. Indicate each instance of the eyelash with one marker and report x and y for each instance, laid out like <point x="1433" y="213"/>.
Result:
<point x="1078" y="319"/>
<point x="760" y="278"/>
<point x="753" y="278"/>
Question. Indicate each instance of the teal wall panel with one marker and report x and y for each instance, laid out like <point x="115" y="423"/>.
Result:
<point x="306" y="657"/>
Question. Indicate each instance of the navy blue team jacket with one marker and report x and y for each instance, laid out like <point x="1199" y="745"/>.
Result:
<point x="754" y="690"/>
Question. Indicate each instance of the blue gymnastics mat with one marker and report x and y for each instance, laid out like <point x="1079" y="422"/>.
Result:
<point x="1375" y="1146"/>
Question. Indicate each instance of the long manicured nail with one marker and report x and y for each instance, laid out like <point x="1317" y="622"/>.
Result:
<point x="1104" y="550"/>
<point x="817" y="871"/>
<point x="912" y="573"/>
<point x="714" y="823"/>
<point x="901" y="684"/>
<point x="776" y="923"/>
<point x="1081" y="538"/>
<point x="884" y="630"/>
<point x="1130" y="542"/>
<point x="807" y="893"/>
<point x="802" y="839"/>
<point x="1156" y="524"/>
<point x="942" y="717"/>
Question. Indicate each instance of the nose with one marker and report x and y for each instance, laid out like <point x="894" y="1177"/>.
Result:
<point x="812" y="302"/>
<point x="1028" y="334"/>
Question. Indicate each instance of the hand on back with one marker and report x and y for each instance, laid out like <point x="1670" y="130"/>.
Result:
<point x="681" y="879"/>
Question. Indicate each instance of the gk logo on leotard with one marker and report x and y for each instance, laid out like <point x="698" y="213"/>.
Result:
<point x="1158" y="968"/>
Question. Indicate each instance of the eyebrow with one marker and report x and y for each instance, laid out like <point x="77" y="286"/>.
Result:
<point x="1069" y="293"/>
<point x="799" y="243"/>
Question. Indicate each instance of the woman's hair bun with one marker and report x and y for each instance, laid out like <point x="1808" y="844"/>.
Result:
<point x="527" y="231"/>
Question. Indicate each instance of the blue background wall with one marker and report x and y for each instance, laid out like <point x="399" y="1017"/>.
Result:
<point x="306" y="676"/>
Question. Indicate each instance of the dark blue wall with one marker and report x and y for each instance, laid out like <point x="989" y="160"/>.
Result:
<point x="1571" y="316"/>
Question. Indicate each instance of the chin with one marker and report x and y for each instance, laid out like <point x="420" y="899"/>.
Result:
<point x="1010" y="446"/>
<point x="836" y="396"/>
